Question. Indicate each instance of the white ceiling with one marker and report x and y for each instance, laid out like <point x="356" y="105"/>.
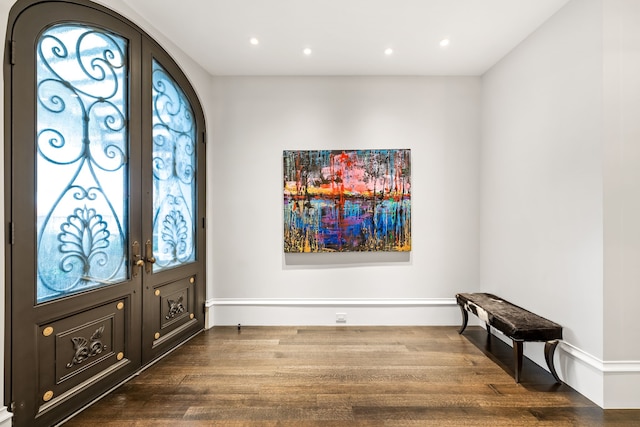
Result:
<point x="348" y="37"/>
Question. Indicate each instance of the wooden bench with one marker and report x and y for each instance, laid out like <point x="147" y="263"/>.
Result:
<point x="515" y="322"/>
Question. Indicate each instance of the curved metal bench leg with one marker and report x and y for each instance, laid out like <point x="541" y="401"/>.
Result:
<point x="517" y="355"/>
<point x="465" y="319"/>
<point x="549" y="350"/>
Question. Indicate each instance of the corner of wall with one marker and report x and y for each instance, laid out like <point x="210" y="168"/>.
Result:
<point x="541" y="187"/>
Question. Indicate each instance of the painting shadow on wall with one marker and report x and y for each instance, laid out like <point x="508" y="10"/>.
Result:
<point x="301" y="261"/>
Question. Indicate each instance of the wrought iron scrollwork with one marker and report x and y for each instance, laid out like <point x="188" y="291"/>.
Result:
<point x="82" y="152"/>
<point x="174" y="146"/>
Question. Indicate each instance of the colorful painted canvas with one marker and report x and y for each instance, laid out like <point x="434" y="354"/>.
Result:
<point x="339" y="200"/>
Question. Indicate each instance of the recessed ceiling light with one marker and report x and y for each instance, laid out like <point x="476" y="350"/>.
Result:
<point x="388" y="51"/>
<point x="307" y="51"/>
<point x="444" y="42"/>
<point x="254" y="41"/>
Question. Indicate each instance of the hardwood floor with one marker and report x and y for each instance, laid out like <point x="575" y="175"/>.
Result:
<point x="345" y="376"/>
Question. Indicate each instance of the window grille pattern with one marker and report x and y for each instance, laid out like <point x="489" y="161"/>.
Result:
<point x="81" y="166"/>
<point x="174" y="170"/>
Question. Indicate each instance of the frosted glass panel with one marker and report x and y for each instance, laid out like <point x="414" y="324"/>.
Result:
<point x="174" y="168"/>
<point x="82" y="160"/>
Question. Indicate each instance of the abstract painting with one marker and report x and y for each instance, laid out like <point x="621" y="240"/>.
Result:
<point x="347" y="200"/>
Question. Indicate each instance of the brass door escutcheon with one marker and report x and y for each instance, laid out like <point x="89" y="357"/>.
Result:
<point x="137" y="260"/>
<point x="149" y="258"/>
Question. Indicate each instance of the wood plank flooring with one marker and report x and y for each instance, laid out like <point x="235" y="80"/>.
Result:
<point x="345" y="376"/>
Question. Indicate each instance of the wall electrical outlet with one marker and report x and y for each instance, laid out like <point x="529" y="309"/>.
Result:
<point x="341" y="317"/>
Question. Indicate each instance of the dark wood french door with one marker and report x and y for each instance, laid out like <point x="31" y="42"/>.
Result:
<point x="105" y="207"/>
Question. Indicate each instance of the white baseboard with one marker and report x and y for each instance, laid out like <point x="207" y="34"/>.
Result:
<point x="580" y="370"/>
<point x="5" y="417"/>
<point x="609" y="384"/>
<point x="622" y="389"/>
<point x="322" y="312"/>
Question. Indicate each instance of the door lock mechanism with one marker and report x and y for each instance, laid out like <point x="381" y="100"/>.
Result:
<point x="149" y="251"/>
<point x="149" y="259"/>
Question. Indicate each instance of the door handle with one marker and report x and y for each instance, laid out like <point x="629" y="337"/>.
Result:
<point x="137" y="260"/>
<point x="149" y="259"/>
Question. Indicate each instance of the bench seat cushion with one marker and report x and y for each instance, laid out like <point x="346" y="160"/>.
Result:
<point x="515" y="322"/>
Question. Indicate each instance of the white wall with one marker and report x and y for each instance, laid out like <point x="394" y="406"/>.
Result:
<point x="621" y="199"/>
<point x="559" y="190"/>
<point x="541" y="192"/>
<point x="541" y="183"/>
<point x="254" y="119"/>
